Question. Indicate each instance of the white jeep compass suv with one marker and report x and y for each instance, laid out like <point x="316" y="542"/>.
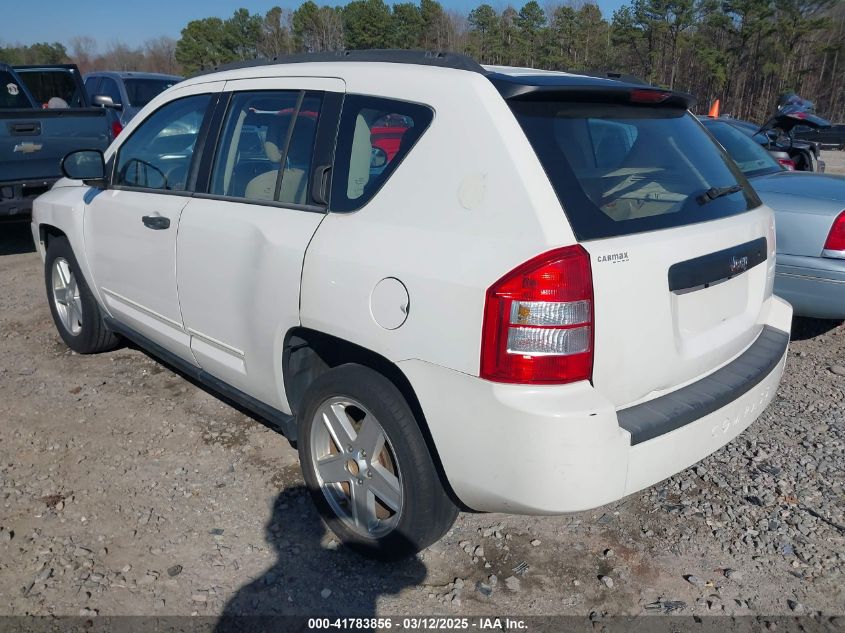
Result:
<point x="450" y="285"/>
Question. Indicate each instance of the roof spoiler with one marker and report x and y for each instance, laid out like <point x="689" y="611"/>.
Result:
<point x="593" y="90"/>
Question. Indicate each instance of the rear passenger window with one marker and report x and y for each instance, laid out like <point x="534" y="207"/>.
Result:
<point x="375" y="136"/>
<point x="267" y="146"/>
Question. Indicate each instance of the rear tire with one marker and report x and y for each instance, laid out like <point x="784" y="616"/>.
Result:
<point x="75" y="311"/>
<point x="367" y="466"/>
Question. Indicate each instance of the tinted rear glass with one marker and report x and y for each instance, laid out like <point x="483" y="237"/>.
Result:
<point x="11" y="94"/>
<point x="621" y="169"/>
<point x="55" y="88"/>
<point x="142" y="91"/>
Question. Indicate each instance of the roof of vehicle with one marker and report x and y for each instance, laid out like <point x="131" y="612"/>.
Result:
<point x="131" y="74"/>
<point x="45" y="67"/>
<point x="512" y="82"/>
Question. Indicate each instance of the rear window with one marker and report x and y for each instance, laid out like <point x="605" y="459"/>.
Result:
<point x="622" y="169"/>
<point x="52" y="88"/>
<point x="753" y="159"/>
<point x="142" y="91"/>
<point x="11" y="94"/>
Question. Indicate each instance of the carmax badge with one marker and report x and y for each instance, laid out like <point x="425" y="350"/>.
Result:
<point x="27" y="148"/>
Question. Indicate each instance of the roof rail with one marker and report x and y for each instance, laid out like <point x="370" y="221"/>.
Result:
<point x="394" y="56"/>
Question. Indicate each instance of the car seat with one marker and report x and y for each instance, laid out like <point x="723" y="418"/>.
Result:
<point x="297" y="161"/>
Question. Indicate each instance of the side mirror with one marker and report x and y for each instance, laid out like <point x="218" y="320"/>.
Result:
<point x="105" y="101"/>
<point x="87" y="165"/>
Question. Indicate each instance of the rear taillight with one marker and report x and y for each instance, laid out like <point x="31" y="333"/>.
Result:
<point x="116" y="128"/>
<point x="639" y="95"/>
<point x="787" y="163"/>
<point x="834" y="246"/>
<point x="538" y="321"/>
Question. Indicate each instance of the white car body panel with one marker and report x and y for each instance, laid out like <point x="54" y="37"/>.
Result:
<point x="673" y="338"/>
<point x="134" y="267"/>
<point x="231" y="256"/>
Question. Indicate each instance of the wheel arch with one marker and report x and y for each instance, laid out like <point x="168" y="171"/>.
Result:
<point x="309" y="353"/>
<point x="46" y="232"/>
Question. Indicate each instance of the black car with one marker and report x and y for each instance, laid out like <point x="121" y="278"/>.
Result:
<point x="828" y="138"/>
<point x="799" y="155"/>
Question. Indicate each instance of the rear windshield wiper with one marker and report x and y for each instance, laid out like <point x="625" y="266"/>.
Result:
<point x="718" y="192"/>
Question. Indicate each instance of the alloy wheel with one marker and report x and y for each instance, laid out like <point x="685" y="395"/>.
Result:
<point x="356" y="467"/>
<point x="66" y="296"/>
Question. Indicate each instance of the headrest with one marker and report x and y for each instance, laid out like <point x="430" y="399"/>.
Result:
<point x="300" y="143"/>
<point x="277" y="128"/>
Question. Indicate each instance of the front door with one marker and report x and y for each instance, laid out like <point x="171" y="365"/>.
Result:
<point x="130" y="228"/>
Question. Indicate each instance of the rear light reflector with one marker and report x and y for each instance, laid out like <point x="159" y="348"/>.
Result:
<point x="549" y="312"/>
<point x="834" y="246"/>
<point x="538" y="321"/>
<point x="787" y="163"/>
<point x="548" y="341"/>
<point x="116" y="128"/>
<point x="649" y="96"/>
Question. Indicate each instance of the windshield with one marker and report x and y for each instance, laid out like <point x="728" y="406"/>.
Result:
<point x="142" y="91"/>
<point x="620" y="169"/>
<point x="751" y="157"/>
<point x="12" y="95"/>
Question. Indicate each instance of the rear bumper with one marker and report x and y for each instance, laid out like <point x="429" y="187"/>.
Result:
<point x="552" y="450"/>
<point x="16" y="197"/>
<point x="815" y="286"/>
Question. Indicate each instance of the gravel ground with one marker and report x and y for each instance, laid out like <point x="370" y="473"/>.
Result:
<point x="127" y="490"/>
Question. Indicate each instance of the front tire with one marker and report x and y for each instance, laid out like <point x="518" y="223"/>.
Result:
<point x="75" y="311"/>
<point x="367" y="466"/>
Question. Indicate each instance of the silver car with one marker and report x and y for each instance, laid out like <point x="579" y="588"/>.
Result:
<point x="810" y="216"/>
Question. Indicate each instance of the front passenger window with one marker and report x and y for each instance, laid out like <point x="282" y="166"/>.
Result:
<point x="158" y="155"/>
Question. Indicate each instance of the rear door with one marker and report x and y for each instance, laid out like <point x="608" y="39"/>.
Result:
<point x="242" y="242"/>
<point x="681" y="248"/>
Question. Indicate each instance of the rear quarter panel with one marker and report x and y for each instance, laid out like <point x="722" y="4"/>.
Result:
<point x="468" y="204"/>
<point x="802" y="222"/>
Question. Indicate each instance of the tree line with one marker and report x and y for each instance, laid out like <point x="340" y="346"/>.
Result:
<point x="744" y="52"/>
<point x="155" y="55"/>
